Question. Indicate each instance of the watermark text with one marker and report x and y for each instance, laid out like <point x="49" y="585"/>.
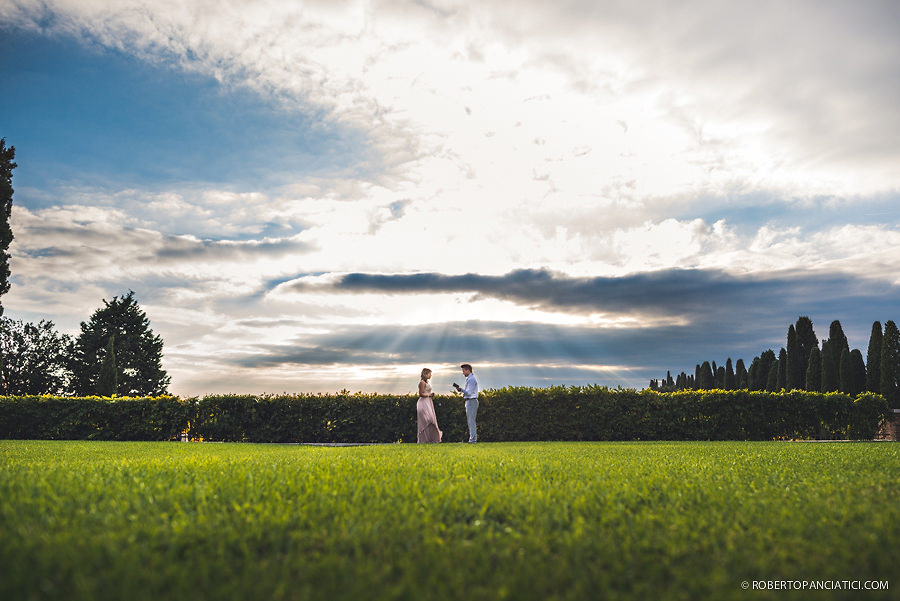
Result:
<point x="816" y="585"/>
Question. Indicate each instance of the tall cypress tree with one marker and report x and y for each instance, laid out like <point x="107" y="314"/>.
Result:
<point x="846" y="383"/>
<point x="772" y="380"/>
<point x="831" y="379"/>
<point x="841" y="344"/>
<point x="814" y="370"/>
<point x="806" y="339"/>
<point x="873" y="359"/>
<point x="796" y="365"/>
<point x="766" y="361"/>
<point x="705" y="379"/>
<point x="740" y="375"/>
<point x="753" y="376"/>
<point x="890" y="364"/>
<point x="781" y="375"/>
<point x="729" y="375"/>
<point x="858" y="369"/>
<point x="837" y="337"/>
<point x="7" y="164"/>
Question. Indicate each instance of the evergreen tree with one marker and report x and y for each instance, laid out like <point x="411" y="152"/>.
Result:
<point x="766" y="361"/>
<point x="705" y="380"/>
<point x="806" y="340"/>
<point x="729" y="375"/>
<point x="720" y="378"/>
<point x="107" y="383"/>
<point x="753" y="376"/>
<point x="873" y="359"/>
<point x="7" y="164"/>
<point x="814" y="370"/>
<point x="846" y="373"/>
<point x="138" y="350"/>
<point x="740" y="375"/>
<point x="831" y="358"/>
<point x="837" y="337"/>
<point x="796" y="364"/>
<point x="772" y="380"/>
<point x="858" y="369"/>
<point x="890" y="364"/>
<point x="831" y="379"/>
<point x="35" y="358"/>
<point x="781" y="375"/>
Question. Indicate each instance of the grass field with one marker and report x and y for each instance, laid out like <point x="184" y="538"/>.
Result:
<point x="94" y="520"/>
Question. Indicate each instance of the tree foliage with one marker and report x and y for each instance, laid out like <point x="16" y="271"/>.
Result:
<point x="814" y="370"/>
<point x="806" y="339"/>
<point x="729" y="375"/>
<point x="108" y="381"/>
<point x="35" y="358"/>
<point x="890" y="364"/>
<point x="7" y="164"/>
<point x="803" y="365"/>
<point x="795" y="368"/>
<point x="831" y="379"/>
<point x="853" y="372"/>
<point x="873" y="359"/>
<point x="138" y="351"/>
<point x="740" y="375"/>
<point x="705" y="378"/>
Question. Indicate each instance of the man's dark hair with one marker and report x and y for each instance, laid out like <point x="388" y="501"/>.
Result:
<point x="467" y="366"/>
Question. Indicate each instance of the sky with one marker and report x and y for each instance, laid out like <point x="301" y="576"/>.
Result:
<point x="317" y="196"/>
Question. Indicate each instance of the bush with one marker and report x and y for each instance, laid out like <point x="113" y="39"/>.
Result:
<point x="507" y="414"/>
<point x="94" y="418"/>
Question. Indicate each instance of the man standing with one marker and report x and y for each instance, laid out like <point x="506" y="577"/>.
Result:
<point x="470" y="395"/>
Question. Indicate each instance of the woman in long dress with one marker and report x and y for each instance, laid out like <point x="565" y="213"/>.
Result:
<point x="427" y="420"/>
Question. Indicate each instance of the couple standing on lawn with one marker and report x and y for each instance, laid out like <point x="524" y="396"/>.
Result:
<point x="427" y="420"/>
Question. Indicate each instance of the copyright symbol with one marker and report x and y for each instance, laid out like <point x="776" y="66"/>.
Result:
<point x="745" y="585"/>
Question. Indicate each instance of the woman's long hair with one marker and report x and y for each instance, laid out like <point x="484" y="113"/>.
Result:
<point x="425" y="373"/>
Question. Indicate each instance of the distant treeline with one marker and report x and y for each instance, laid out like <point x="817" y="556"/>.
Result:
<point x="804" y="365"/>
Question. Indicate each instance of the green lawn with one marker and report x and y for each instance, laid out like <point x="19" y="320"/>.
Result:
<point x="103" y="520"/>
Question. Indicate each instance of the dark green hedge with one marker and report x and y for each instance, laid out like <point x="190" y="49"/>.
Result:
<point x="559" y="413"/>
<point x="94" y="418"/>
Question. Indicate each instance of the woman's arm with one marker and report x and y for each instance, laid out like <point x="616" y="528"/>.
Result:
<point x="421" y="388"/>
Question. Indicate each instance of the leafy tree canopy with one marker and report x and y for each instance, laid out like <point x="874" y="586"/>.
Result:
<point x="35" y="358"/>
<point x="138" y="351"/>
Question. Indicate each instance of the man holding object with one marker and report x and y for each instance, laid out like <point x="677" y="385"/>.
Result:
<point x="470" y="395"/>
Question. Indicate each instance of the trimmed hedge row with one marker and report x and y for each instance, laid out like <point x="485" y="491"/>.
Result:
<point x="559" y="413"/>
<point x="94" y="418"/>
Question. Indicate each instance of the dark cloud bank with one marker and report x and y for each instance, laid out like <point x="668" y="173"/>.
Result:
<point x="697" y="295"/>
<point x="717" y="315"/>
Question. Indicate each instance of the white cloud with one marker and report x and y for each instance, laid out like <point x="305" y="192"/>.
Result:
<point x="798" y="97"/>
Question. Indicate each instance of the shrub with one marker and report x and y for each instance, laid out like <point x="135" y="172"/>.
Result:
<point x="507" y="414"/>
<point x="94" y="418"/>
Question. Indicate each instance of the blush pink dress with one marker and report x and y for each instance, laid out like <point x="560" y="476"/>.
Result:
<point x="427" y="420"/>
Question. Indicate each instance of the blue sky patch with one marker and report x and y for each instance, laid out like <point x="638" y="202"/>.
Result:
<point x="92" y="116"/>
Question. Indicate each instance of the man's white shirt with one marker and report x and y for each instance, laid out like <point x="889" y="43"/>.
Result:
<point x="470" y="390"/>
